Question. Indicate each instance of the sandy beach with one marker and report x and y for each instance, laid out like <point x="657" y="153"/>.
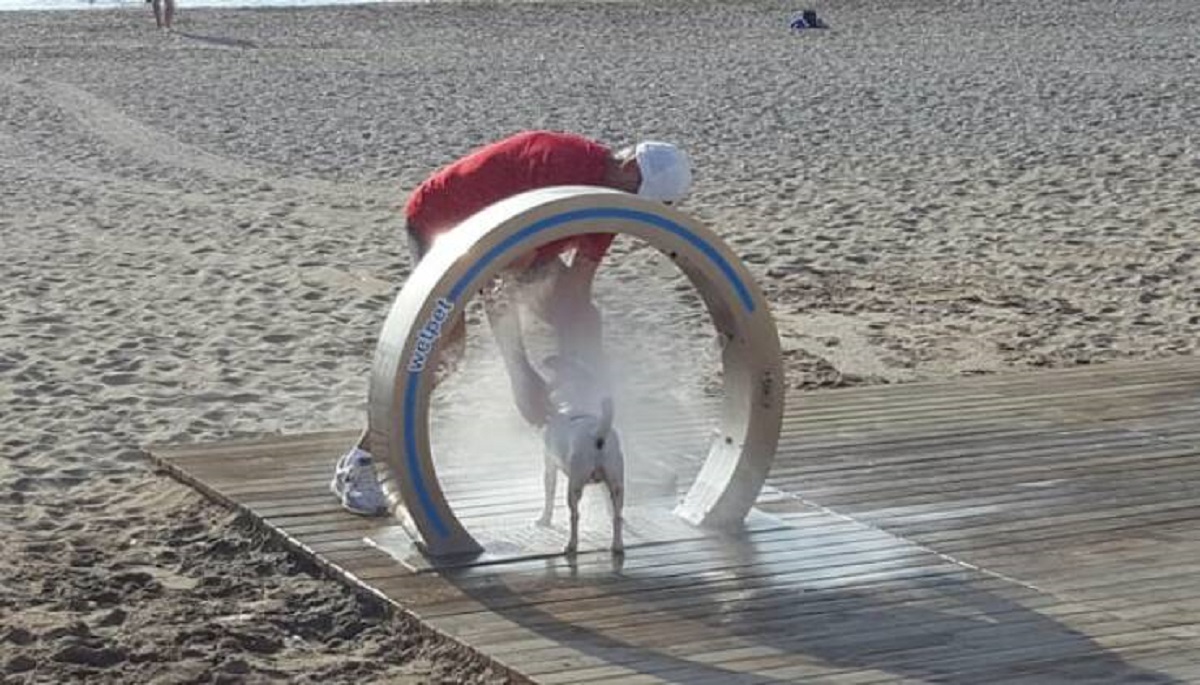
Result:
<point x="199" y="240"/>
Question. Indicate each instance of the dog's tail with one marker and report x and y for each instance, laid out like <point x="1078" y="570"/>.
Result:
<point x="606" y="421"/>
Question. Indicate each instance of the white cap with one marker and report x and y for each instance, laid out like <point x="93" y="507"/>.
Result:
<point x="666" y="171"/>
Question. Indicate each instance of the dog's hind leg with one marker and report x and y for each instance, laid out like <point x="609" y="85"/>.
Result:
<point x="617" y="494"/>
<point x="574" y="494"/>
<point x="549" y="480"/>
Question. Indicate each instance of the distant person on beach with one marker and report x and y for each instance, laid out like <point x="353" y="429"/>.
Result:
<point x="164" y="13"/>
<point x="560" y="294"/>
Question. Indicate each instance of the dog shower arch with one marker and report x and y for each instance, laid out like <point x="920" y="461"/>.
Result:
<point x="463" y="260"/>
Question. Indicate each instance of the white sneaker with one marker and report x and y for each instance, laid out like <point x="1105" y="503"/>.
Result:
<point x="356" y="485"/>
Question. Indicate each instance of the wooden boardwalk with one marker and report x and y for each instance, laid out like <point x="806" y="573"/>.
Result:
<point x="1033" y="528"/>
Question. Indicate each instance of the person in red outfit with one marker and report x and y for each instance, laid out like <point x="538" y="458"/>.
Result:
<point x="558" y="291"/>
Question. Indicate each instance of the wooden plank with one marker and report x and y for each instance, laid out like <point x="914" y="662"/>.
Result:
<point x="1038" y="466"/>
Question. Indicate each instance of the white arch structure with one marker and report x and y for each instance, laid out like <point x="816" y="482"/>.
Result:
<point x="460" y="263"/>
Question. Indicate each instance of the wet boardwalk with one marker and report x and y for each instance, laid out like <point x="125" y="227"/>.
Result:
<point x="1031" y="528"/>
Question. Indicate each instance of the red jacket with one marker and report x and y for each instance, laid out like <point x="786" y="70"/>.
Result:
<point x="526" y="161"/>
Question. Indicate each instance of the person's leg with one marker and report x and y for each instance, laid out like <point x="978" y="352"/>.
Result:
<point x="355" y="482"/>
<point x="169" y="15"/>
<point x="157" y="5"/>
<point x="569" y="308"/>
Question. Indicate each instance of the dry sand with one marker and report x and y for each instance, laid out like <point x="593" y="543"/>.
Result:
<point x="197" y="241"/>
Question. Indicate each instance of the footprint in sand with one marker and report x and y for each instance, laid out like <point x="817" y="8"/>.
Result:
<point x="117" y="379"/>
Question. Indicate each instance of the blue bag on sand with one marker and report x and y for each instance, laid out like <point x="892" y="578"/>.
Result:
<point x="807" y="19"/>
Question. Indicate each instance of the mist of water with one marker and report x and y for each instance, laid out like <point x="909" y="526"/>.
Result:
<point x="663" y="363"/>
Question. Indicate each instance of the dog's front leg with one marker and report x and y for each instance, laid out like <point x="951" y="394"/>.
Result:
<point x="574" y="494"/>
<point x="549" y="480"/>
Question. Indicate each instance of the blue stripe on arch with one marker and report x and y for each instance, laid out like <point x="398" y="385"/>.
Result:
<point x="664" y="223"/>
<point x="410" y="448"/>
<point x="456" y="292"/>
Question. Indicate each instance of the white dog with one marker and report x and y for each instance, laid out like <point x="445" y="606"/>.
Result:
<point x="583" y="445"/>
